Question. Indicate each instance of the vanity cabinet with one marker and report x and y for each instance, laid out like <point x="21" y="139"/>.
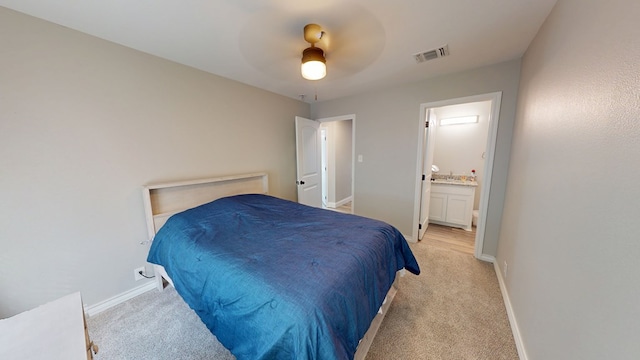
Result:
<point x="452" y="205"/>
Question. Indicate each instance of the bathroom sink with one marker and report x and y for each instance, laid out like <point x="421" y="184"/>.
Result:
<point x="454" y="182"/>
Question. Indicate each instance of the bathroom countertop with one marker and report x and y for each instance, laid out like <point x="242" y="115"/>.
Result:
<point x="454" y="182"/>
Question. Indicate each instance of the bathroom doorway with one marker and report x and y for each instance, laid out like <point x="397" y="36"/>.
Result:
<point x="462" y="148"/>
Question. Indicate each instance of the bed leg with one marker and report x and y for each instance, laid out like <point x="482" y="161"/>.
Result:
<point x="159" y="283"/>
<point x="159" y="279"/>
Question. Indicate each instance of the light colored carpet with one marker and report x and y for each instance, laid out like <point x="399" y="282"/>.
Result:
<point x="453" y="310"/>
<point x="155" y="325"/>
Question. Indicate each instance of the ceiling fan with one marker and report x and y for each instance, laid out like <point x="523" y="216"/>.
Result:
<point x="314" y="64"/>
<point x="277" y="56"/>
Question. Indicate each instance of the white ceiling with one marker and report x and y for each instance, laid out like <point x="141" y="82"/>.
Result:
<point x="368" y="43"/>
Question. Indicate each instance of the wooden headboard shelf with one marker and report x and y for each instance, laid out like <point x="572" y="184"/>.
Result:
<point x="165" y="199"/>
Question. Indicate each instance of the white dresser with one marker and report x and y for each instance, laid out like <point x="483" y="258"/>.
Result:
<point x="54" y="331"/>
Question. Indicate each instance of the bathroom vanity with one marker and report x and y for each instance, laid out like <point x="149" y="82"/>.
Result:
<point x="452" y="203"/>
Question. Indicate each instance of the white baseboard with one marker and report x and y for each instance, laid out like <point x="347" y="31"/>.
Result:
<point x="409" y="238"/>
<point x="339" y="203"/>
<point x="487" y="258"/>
<point x="512" y="317"/>
<point x="119" y="299"/>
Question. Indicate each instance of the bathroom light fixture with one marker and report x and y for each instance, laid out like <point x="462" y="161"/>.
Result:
<point x="459" y="120"/>
<point x="314" y="65"/>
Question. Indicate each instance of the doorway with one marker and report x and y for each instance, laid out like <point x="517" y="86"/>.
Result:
<point x="449" y="108"/>
<point x="325" y="157"/>
<point x="337" y="152"/>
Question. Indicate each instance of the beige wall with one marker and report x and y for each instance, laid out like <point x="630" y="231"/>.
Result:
<point x="343" y="159"/>
<point x="387" y="133"/>
<point x="84" y="123"/>
<point x="570" y="232"/>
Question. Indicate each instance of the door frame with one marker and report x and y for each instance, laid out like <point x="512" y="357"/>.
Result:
<point x="323" y="164"/>
<point x="351" y="117"/>
<point x="495" y="98"/>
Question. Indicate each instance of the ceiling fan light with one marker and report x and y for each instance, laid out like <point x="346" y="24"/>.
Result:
<point x="313" y="64"/>
<point x="313" y="70"/>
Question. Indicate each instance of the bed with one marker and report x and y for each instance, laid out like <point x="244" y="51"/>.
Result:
<point x="274" y="279"/>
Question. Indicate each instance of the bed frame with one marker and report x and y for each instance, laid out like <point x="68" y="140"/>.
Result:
<point x="165" y="199"/>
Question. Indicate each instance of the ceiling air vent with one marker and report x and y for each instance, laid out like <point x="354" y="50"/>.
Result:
<point x="431" y="54"/>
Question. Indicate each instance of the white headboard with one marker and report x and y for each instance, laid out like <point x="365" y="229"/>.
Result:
<point x="163" y="200"/>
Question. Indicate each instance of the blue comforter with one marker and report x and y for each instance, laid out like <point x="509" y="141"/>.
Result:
<point x="273" y="279"/>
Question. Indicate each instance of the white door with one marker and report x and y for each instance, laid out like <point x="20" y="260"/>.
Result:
<point x="428" y="146"/>
<point x="308" y="162"/>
